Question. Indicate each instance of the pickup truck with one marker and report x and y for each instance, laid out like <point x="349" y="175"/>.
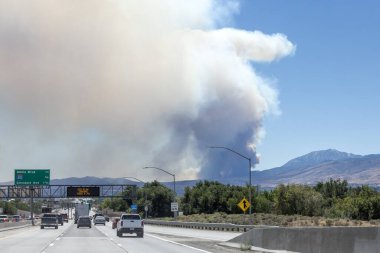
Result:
<point x="130" y="224"/>
<point x="49" y="220"/>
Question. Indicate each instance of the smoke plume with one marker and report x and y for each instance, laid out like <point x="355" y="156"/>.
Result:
<point x="104" y="88"/>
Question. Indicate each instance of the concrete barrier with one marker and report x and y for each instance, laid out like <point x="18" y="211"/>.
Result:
<point x="12" y="225"/>
<point x="315" y="240"/>
<point x="204" y="226"/>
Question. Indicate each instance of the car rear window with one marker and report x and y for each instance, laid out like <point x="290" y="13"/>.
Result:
<point x="47" y="215"/>
<point x="130" y="217"/>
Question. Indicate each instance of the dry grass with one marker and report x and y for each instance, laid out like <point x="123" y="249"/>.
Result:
<point x="273" y="220"/>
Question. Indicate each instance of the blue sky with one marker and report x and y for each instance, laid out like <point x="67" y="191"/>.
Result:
<point x="329" y="90"/>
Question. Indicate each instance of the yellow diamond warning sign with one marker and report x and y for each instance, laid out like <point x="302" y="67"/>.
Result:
<point x="244" y="204"/>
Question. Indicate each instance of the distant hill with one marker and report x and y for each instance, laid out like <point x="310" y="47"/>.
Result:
<point x="307" y="169"/>
<point x="318" y="157"/>
<point x="321" y="166"/>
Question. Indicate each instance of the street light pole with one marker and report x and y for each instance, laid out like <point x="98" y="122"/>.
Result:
<point x="250" y="172"/>
<point x="173" y="175"/>
<point x="145" y="207"/>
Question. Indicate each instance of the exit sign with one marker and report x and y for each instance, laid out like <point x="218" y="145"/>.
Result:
<point x="32" y="177"/>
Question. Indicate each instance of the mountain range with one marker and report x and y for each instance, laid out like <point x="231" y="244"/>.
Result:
<point x="309" y="169"/>
<point x="320" y="166"/>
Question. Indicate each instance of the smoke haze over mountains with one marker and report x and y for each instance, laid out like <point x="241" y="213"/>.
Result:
<point x="107" y="87"/>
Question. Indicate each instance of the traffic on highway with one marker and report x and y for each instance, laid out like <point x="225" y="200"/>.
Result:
<point x="92" y="233"/>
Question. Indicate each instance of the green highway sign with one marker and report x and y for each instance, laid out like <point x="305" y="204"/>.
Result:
<point x="32" y="177"/>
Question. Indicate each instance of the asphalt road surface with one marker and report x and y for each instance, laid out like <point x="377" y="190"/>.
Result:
<point x="70" y="239"/>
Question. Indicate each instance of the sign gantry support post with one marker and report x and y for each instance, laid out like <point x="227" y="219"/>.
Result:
<point x="31" y="204"/>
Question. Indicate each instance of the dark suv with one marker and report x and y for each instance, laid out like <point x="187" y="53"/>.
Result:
<point x="49" y="220"/>
<point x="84" y="221"/>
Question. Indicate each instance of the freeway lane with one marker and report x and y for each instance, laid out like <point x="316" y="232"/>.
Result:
<point x="29" y="239"/>
<point x="163" y="239"/>
<point x="83" y="240"/>
<point x="70" y="239"/>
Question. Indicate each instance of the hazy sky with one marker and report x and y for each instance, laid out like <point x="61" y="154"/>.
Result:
<point x="104" y="88"/>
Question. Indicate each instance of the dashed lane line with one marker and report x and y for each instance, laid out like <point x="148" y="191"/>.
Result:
<point x="113" y="241"/>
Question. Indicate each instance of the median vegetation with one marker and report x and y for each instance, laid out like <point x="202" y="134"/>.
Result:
<point x="325" y="204"/>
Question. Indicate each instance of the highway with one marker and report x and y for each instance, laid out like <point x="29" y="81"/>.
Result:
<point x="70" y="239"/>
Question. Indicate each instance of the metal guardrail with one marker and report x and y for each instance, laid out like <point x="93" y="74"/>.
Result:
<point x="205" y="226"/>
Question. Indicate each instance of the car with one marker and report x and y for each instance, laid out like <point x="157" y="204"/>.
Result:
<point x="130" y="223"/>
<point x="96" y="215"/>
<point x="84" y="221"/>
<point x="100" y="220"/>
<point x="49" y="220"/>
<point x="4" y="218"/>
<point x="60" y="219"/>
<point x="115" y="220"/>
<point x="65" y="217"/>
<point x="16" y="218"/>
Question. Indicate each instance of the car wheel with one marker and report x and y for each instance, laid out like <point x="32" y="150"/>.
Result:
<point x="77" y="226"/>
<point x="42" y="227"/>
<point x="56" y="227"/>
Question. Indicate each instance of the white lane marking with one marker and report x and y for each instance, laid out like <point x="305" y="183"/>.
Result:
<point x="58" y="238"/>
<point x="180" y="244"/>
<point x="51" y="244"/>
<point x="112" y="240"/>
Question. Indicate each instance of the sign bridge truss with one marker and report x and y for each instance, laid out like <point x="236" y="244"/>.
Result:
<point x="61" y="191"/>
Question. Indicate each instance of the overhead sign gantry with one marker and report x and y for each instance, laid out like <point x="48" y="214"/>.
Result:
<point x="66" y="191"/>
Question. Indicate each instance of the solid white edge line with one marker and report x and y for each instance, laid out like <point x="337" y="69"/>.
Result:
<point x="177" y="243"/>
